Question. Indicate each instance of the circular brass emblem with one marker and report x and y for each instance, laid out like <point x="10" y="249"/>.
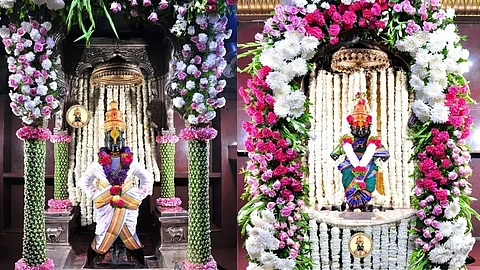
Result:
<point x="77" y="116"/>
<point x="360" y="245"/>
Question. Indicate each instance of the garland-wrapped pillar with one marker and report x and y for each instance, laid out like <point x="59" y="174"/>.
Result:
<point x="60" y="145"/>
<point x="33" y="255"/>
<point x="167" y="143"/>
<point x="199" y="243"/>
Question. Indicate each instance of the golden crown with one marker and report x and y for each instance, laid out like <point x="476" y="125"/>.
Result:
<point x="114" y="118"/>
<point x="360" y="116"/>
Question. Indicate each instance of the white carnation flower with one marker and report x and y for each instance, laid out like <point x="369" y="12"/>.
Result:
<point x="452" y="210"/>
<point x="296" y="68"/>
<point x="221" y="102"/>
<point x="290" y="105"/>
<point x="439" y="113"/>
<point x="288" y="48"/>
<point x="437" y="42"/>
<point x="197" y="98"/>
<point x="30" y="56"/>
<point x="47" y="25"/>
<point x="268" y="216"/>
<point x="325" y="5"/>
<point x="7" y="3"/>
<point x="201" y="108"/>
<point x="434" y="92"/>
<point x="276" y="80"/>
<point x="309" y="46"/>
<point x="42" y="90"/>
<point x="417" y="83"/>
<point x="440" y="254"/>
<point x="269" y="57"/>
<point x="181" y="66"/>
<point x="191" y="69"/>
<point x="192" y="119"/>
<point x="178" y="102"/>
<point x="29" y="105"/>
<point x="445" y="228"/>
<point x="286" y="264"/>
<point x="50" y="43"/>
<point x="53" y="86"/>
<point x="311" y="8"/>
<point x="46" y="64"/>
<point x="253" y="247"/>
<point x="419" y="70"/>
<point x="210" y="115"/>
<point x="460" y="225"/>
<point x="4" y="31"/>
<point x="26" y="89"/>
<point x="457" y="261"/>
<point x="300" y="3"/>
<point x="421" y="110"/>
<point x="190" y="85"/>
<point x="55" y="4"/>
<point x="35" y="35"/>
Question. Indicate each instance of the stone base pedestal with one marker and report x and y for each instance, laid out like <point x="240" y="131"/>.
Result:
<point x="173" y="229"/>
<point x="57" y="231"/>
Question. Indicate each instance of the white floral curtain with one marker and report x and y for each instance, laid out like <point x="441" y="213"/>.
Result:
<point x="86" y="141"/>
<point x="332" y="96"/>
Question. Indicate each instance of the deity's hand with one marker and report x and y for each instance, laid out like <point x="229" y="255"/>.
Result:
<point x="334" y="156"/>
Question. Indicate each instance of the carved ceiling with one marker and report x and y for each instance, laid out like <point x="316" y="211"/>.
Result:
<point x="152" y="58"/>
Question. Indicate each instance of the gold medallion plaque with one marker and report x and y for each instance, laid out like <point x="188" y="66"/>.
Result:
<point x="360" y="245"/>
<point x="77" y="116"/>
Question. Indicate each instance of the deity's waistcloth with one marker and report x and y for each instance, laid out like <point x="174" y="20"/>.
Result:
<point x="113" y="222"/>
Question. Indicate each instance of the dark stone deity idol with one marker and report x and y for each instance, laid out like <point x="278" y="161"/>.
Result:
<point x="116" y="198"/>
<point x="359" y="171"/>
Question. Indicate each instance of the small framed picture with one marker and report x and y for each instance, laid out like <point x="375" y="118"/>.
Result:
<point x="360" y="245"/>
<point x="77" y="116"/>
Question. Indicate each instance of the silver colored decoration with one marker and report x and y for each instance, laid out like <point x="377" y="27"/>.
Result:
<point x="173" y="229"/>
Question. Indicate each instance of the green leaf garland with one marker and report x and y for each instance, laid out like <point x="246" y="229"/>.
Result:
<point x="167" y="167"/>
<point x="34" y="241"/>
<point x="199" y="246"/>
<point x="61" y="168"/>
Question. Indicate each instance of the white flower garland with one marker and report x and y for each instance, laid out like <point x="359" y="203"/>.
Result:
<point x="71" y="158"/>
<point x="318" y="137"/>
<point x="392" y="174"/>
<point x="311" y="141"/>
<point x="376" y="252"/>
<point x="315" y="244"/>
<point x="324" y="249"/>
<point x="383" y="130"/>
<point x="402" y="244"/>
<point x="146" y="129"/>
<point x="346" y="264"/>
<point x="398" y="138"/>
<point x="335" y="247"/>
<point x="384" y="245"/>
<point x="392" y="248"/>
<point x="367" y="261"/>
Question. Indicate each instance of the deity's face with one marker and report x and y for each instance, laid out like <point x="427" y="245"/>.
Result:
<point x="360" y="132"/>
<point x="112" y="145"/>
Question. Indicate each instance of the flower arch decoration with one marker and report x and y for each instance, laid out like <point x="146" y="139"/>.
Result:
<point x="274" y="218"/>
<point x="200" y="26"/>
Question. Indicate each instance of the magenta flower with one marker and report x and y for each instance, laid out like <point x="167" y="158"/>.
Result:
<point x="115" y="7"/>
<point x="153" y="16"/>
<point x="163" y="5"/>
